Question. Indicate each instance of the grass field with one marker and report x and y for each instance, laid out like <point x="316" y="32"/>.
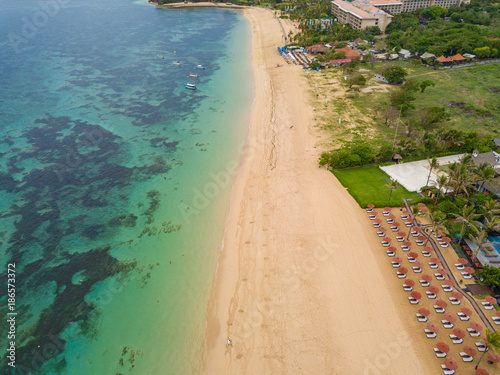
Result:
<point x="367" y="185"/>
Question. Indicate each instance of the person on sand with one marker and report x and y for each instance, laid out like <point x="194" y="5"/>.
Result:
<point x="229" y="343"/>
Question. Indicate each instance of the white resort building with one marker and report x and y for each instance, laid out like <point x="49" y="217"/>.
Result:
<point x="361" y="14"/>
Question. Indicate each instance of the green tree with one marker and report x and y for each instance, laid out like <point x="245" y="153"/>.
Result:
<point x="394" y="74"/>
<point x="425" y="84"/>
<point x="356" y="79"/>
<point x="492" y="342"/>
<point x="482" y="52"/>
<point x="467" y="218"/>
<point x="402" y="99"/>
<point x="433" y="164"/>
<point x="392" y="185"/>
<point x="481" y="240"/>
<point x="490" y="275"/>
<point x="484" y="173"/>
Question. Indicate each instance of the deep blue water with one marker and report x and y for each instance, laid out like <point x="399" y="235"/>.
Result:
<point x="102" y="152"/>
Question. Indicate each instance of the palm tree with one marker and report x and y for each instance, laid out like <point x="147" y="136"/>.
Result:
<point x="433" y="164"/>
<point x="468" y="217"/>
<point x="484" y="173"/>
<point x="459" y="178"/>
<point x="436" y="218"/>
<point x="442" y="184"/>
<point x="481" y="241"/>
<point x="492" y="342"/>
<point x="393" y="185"/>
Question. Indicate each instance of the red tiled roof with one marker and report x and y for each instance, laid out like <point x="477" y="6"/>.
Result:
<point x="457" y="57"/>
<point x="350" y="53"/>
<point x="315" y="46"/>
<point x="442" y="59"/>
<point x="340" y="61"/>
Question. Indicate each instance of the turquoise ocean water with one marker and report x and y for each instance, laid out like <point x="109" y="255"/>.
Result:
<point x="115" y="179"/>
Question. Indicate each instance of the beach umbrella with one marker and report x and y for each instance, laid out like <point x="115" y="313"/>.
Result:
<point x="413" y="254"/>
<point x="476" y="326"/>
<point x="460" y="333"/>
<point x="433" y="289"/>
<point x="442" y="271"/>
<point x="424" y="210"/>
<point x="428" y="249"/>
<point x="409" y="220"/>
<point x="457" y="294"/>
<point x="466" y="311"/>
<point x="417" y="228"/>
<point x="498" y="313"/>
<point x="493" y="357"/>
<point x="463" y="261"/>
<point x="409" y="282"/>
<point x="382" y="229"/>
<point x="423" y="311"/>
<point x="401" y="234"/>
<point x="450" y="318"/>
<point x="386" y="239"/>
<point x="491" y="300"/>
<point x="420" y="204"/>
<point x="416" y="294"/>
<point x="446" y="239"/>
<point x="421" y="238"/>
<point x="449" y="282"/>
<point x="427" y="278"/>
<point x="440" y="232"/>
<point x="397" y="259"/>
<point x="391" y="217"/>
<point x="469" y="350"/>
<point x="469" y="270"/>
<point x="406" y="243"/>
<point x="442" y="347"/>
<point x="441" y="303"/>
<point x="396" y="224"/>
<point x="481" y="371"/>
<point x="405" y="212"/>
<point x="370" y="205"/>
<point x="387" y="209"/>
<point x="378" y="221"/>
<point x="432" y="327"/>
<point x="451" y="364"/>
<point x="403" y="270"/>
<point x="392" y="249"/>
<point x="435" y="260"/>
<point x="418" y="264"/>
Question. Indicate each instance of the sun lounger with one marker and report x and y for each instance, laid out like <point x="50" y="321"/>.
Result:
<point x="487" y="305"/>
<point x="421" y="318"/>
<point x="395" y="264"/>
<point x="407" y="288"/>
<point x="459" y="266"/>
<point x="390" y="253"/>
<point x="447" y="324"/>
<point x="381" y="234"/>
<point x="433" y="265"/>
<point x="466" y="357"/>
<point x="405" y="248"/>
<point x="473" y="332"/>
<point x="413" y="301"/>
<point x="439" y="353"/>
<point x="420" y="243"/>
<point x="447" y="288"/>
<point x="372" y="217"/>
<point x="430" y="295"/>
<point x="439" y="310"/>
<point x="409" y="224"/>
<point x="443" y="244"/>
<point x="424" y="283"/>
<point x="447" y="371"/>
<point x="454" y="301"/>
<point x="385" y="244"/>
<point x="430" y="334"/>
<point x="466" y="275"/>
<point x="376" y="225"/>
<point x="426" y="254"/>
<point x="394" y="229"/>
<point x="400" y="239"/>
<point x="390" y="221"/>
<point x="401" y="275"/>
<point x="456" y="340"/>
<point x="496" y="319"/>
<point x="463" y="317"/>
<point x="417" y="269"/>
<point x="386" y="213"/>
<point x="369" y="210"/>
<point x="411" y="260"/>
<point x="404" y="217"/>
<point x="438" y="276"/>
<point x="480" y="346"/>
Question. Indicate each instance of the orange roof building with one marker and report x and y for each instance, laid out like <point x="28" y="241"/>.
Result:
<point x="349" y="53"/>
<point x="458" y="57"/>
<point x="442" y="59"/>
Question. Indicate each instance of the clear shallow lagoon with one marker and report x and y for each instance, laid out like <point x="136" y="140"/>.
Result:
<point x="114" y="179"/>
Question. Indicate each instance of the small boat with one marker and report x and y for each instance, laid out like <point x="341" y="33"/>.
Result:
<point x="191" y="86"/>
<point x="192" y="75"/>
<point x="201" y="67"/>
<point x="177" y="63"/>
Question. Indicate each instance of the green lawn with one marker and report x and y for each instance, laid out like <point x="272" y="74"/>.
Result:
<point x="367" y="185"/>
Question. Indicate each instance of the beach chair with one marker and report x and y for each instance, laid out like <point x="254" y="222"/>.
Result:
<point x="466" y="275"/>
<point x="426" y="254"/>
<point x="390" y="221"/>
<point x="447" y="288"/>
<point x="480" y="346"/>
<point x="395" y="264"/>
<point x="421" y="318"/>
<point x="372" y="217"/>
<point x="459" y="266"/>
<point x="407" y="288"/>
<point x="438" y="276"/>
<point x="420" y="243"/>
<point x="409" y="225"/>
<point x="413" y="301"/>
<point x="394" y="229"/>
<point x="433" y="265"/>
<point x="376" y="225"/>
<point x="405" y="248"/>
<point x="465" y="357"/>
<point x="400" y="239"/>
<point x="390" y="253"/>
<point x="444" y="244"/>
<point x="430" y="334"/>
<point x="430" y="295"/>
<point x="447" y="324"/>
<point x="439" y="353"/>
<point x="447" y="371"/>
<point x="381" y="234"/>
<point x="414" y="234"/>
<point x="410" y="259"/>
<point x="456" y="340"/>
<point x="401" y="275"/>
<point x="439" y="310"/>
<point x="454" y="301"/>
<point x="473" y="332"/>
<point x="496" y="319"/>
<point x="463" y="317"/>
<point x="404" y="217"/>
<point x="417" y="269"/>
<point x="385" y="244"/>
<point x="487" y="305"/>
<point x="424" y="283"/>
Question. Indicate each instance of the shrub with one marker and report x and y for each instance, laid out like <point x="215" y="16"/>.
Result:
<point x="448" y="208"/>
